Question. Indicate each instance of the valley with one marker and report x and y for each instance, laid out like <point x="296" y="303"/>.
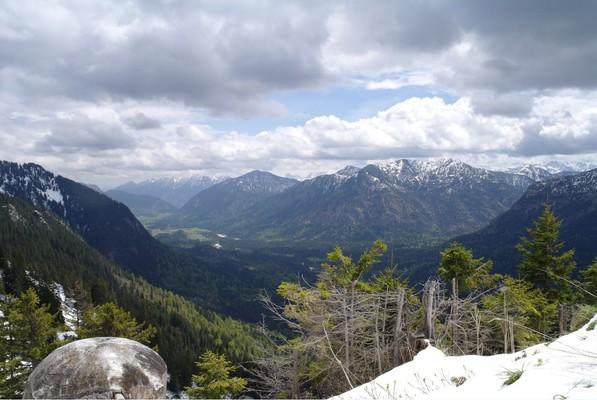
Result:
<point x="216" y="259"/>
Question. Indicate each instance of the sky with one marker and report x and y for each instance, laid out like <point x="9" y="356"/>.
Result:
<point x="110" y="91"/>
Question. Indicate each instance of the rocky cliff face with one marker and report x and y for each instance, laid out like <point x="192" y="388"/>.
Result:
<point x="99" y="368"/>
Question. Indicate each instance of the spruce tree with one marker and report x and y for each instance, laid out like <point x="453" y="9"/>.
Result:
<point x="458" y="263"/>
<point x="111" y="320"/>
<point x="543" y="264"/>
<point x="28" y="333"/>
<point x="214" y="380"/>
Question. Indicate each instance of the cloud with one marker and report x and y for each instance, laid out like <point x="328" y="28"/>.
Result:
<point x="109" y="91"/>
<point x="141" y="121"/>
<point x="230" y="59"/>
<point x="80" y="133"/>
<point x="219" y="58"/>
<point x="97" y="146"/>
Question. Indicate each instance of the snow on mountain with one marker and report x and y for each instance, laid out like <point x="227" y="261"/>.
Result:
<point x="583" y="183"/>
<point x="537" y="173"/>
<point x="259" y="182"/>
<point x="68" y="306"/>
<point x="563" y="369"/>
<point x="542" y="172"/>
<point x="446" y="171"/>
<point x="176" y="190"/>
<point x="559" y="167"/>
<point x="30" y="181"/>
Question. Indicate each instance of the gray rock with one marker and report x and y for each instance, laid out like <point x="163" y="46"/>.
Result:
<point x="99" y="368"/>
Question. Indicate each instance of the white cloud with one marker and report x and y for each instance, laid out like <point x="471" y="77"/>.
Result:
<point x="95" y="145"/>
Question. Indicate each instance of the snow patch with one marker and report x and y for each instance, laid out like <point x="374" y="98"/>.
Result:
<point x="563" y="369"/>
<point x="68" y="308"/>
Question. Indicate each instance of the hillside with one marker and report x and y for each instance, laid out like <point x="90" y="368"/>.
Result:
<point x="562" y="369"/>
<point x="36" y="241"/>
<point x="574" y="200"/>
<point x="227" y="200"/>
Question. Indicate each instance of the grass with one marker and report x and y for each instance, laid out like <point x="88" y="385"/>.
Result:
<point x="512" y="376"/>
<point x="196" y="234"/>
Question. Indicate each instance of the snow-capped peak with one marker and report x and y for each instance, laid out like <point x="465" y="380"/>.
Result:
<point x="429" y="170"/>
<point x="537" y="173"/>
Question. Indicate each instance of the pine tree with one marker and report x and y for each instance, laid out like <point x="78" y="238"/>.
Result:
<point x="111" y="320"/>
<point x="458" y="264"/>
<point x="28" y="333"/>
<point x="214" y="380"/>
<point x="542" y="264"/>
<point x="33" y="327"/>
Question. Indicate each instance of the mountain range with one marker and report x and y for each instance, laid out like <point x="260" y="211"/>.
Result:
<point x="404" y="201"/>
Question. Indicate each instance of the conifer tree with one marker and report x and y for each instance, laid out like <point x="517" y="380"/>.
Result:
<point x="458" y="264"/>
<point x="543" y="264"/>
<point x="111" y="320"/>
<point x="214" y="380"/>
<point x="33" y="328"/>
<point x="28" y="333"/>
<point x="521" y="312"/>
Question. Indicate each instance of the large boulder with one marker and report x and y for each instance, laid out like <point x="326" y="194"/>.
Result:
<point x="99" y="368"/>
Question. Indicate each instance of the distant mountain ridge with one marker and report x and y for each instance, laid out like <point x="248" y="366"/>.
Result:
<point x="228" y="199"/>
<point x="176" y="191"/>
<point x="402" y="200"/>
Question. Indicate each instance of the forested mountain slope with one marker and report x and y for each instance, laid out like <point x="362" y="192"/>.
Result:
<point x="35" y="240"/>
<point x="110" y="227"/>
<point x="226" y="201"/>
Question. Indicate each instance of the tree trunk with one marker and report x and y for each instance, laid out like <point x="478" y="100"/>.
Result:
<point x="454" y="315"/>
<point x="398" y="326"/>
<point x="428" y="297"/>
<point x="562" y="315"/>
<point x="377" y="341"/>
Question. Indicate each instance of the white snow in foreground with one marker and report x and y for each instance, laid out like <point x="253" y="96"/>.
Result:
<point x="563" y="369"/>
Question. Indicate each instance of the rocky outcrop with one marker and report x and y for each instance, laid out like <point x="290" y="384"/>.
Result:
<point x="99" y="368"/>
